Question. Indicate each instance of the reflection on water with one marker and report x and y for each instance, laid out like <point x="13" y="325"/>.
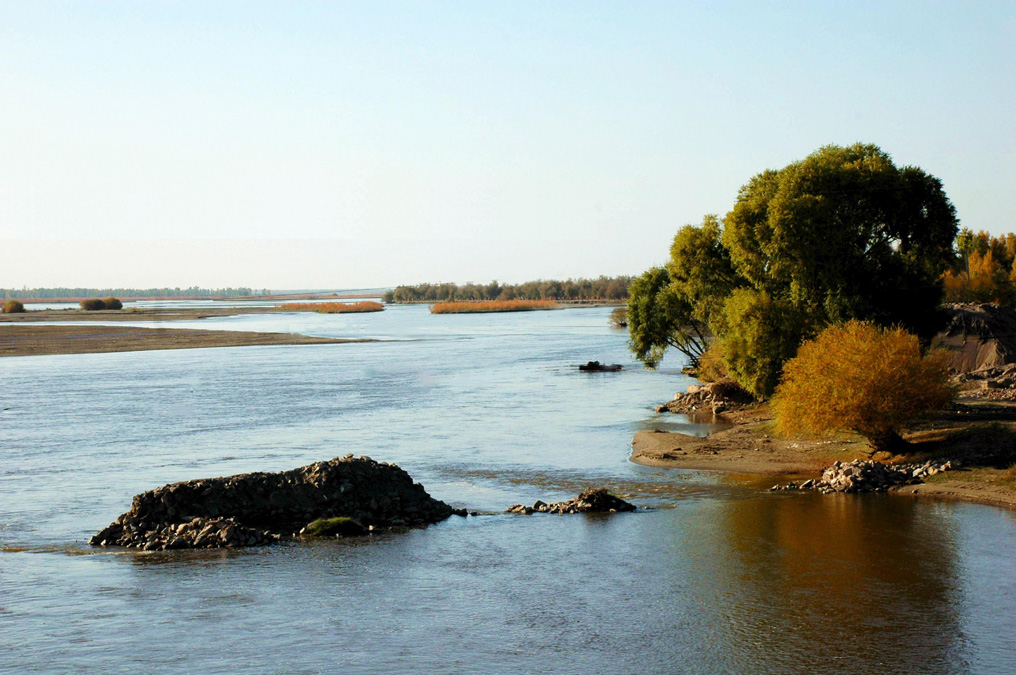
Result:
<point x="719" y="577"/>
<point x="692" y="424"/>
<point x="840" y="582"/>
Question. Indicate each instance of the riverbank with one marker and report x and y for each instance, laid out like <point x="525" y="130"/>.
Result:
<point x="981" y="436"/>
<point x="29" y="340"/>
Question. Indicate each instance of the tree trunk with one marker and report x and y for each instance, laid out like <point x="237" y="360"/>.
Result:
<point x="889" y="441"/>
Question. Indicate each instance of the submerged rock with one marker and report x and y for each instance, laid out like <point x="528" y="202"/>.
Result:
<point x="596" y="500"/>
<point x="597" y="367"/>
<point x="255" y="509"/>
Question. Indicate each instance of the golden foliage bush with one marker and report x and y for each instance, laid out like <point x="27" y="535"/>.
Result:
<point x="491" y="306"/>
<point x="332" y="307"/>
<point x="92" y="304"/>
<point x="13" y="307"/>
<point x="863" y="378"/>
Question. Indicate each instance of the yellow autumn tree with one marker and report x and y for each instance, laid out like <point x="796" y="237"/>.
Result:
<point x="862" y="378"/>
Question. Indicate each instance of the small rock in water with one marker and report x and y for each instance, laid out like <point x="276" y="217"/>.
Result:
<point x="589" y="501"/>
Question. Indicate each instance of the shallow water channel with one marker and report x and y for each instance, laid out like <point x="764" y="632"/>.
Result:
<point x="720" y="576"/>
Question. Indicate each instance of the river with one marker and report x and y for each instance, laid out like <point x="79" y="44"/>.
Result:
<point x="719" y="576"/>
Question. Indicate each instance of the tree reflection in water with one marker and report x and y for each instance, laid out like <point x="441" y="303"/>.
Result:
<point x="851" y="583"/>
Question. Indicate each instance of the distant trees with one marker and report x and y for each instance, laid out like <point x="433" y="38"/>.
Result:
<point x="843" y="234"/>
<point x="193" y="291"/>
<point x="601" y="288"/>
<point x="984" y="270"/>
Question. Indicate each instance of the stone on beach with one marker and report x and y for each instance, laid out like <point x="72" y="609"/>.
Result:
<point x="868" y="476"/>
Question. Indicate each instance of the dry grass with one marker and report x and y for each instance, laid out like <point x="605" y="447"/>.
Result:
<point x="492" y="306"/>
<point x="332" y="307"/>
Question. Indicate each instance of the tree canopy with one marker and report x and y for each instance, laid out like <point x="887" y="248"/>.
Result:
<point x="660" y="317"/>
<point x="843" y="234"/>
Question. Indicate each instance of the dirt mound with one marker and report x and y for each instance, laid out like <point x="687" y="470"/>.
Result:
<point x="978" y="336"/>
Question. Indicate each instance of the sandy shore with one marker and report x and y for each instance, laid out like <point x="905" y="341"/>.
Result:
<point x="29" y="340"/>
<point x="751" y="447"/>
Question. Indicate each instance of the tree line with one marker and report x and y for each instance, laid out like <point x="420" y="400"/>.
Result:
<point x="230" y="292"/>
<point x="601" y="288"/>
<point x="984" y="269"/>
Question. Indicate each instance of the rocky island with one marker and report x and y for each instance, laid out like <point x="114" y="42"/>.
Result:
<point x="257" y="509"/>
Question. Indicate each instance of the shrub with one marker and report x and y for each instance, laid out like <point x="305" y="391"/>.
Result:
<point x="13" y="307"/>
<point x="860" y="377"/>
<point x="332" y="307"/>
<point x="619" y="317"/>
<point x="112" y="303"/>
<point x="492" y="306"/>
<point x="92" y="304"/>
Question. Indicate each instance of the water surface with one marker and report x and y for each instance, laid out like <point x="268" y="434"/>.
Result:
<point x="719" y="576"/>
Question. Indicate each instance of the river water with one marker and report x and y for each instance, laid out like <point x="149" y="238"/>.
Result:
<point x="720" y="576"/>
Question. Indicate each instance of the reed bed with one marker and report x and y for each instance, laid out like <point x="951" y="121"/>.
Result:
<point x="332" y="307"/>
<point x="492" y="306"/>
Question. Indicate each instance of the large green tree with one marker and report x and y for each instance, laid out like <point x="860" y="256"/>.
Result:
<point x="843" y="234"/>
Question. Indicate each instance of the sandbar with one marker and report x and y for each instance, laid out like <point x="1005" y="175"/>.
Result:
<point x="33" y="340"/>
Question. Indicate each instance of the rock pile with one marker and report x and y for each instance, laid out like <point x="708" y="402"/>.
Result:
<point x="589" y="501"/>
<point x="260" y="508"/>
<point x="865" y="476"/>
<point x="715" y="397"/>
<point x="997" y="383"/>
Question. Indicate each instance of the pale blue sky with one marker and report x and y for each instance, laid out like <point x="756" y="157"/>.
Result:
<point x="363" y="144"/>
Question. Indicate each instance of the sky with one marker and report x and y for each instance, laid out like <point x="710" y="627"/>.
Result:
<point x="364" y="144"/>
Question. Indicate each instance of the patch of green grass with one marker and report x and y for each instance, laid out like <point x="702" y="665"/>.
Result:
<point x="331" y="527"/>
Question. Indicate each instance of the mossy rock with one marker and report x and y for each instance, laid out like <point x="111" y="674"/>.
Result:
<point x="334" y="527"/>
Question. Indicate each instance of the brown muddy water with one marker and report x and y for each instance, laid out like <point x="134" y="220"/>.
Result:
<point x="719" y="576"/>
